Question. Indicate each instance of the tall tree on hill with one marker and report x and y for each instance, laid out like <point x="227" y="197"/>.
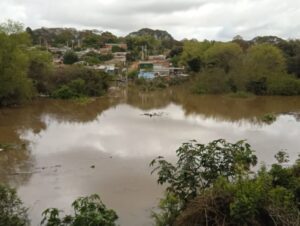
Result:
<point x="15" y="86"/>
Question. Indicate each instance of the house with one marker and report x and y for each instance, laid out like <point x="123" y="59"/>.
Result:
<point x="146" y="65"/>
<point x="177" y="71"/>
<point x="110" y="69"/>
<point x="146" y="74"/>
<point x="59" y="51"/>
<point x="120" y="57"/>
<point x="152" y="69"/>
<point x="105" y="50"/>
<point x="156" y="57"/>
<point x="161" y="71"/>
<point x="88" y="50"/>
<point x="120" y="45"/>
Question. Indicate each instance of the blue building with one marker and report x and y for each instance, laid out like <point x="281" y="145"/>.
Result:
<point x="146" y="74"/>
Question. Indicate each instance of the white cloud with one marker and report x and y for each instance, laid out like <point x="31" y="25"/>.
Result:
<point x="210" y="19"/>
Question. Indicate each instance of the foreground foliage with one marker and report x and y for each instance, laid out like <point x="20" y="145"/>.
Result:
<point x="87" y="211"/>
<point x="213" y="185"/>
<point x="12" y="211"/>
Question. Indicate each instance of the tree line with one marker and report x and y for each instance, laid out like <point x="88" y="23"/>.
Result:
<point x="27" y="71"/>
<point x="263" y="66"/>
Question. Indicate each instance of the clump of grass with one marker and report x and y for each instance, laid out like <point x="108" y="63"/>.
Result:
<point x="269" y="118"/>
<point x="83" y="100"/>
<point x="4" y="147"/>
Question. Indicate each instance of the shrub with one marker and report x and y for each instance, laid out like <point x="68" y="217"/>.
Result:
<point x="70" y="57"/>
<point x="93" y="58"/>
<point x="269" y="118"/>
<point x="200" y="165"/>
<point x="241" y="94"/>
<point x="87" y="211"/>
<point x="284" y="85"/>
<point x="64" y="92"/>
<point x="12" y="211"/>
<point x="132" y="74"/>
<point x="77" y="86"/>
<point x="76" y="81"/>
<point x="151" y="84"/>
<point x="213" y="185"/>
<point x="213" y="81"/>
<point x="257" y="86"/>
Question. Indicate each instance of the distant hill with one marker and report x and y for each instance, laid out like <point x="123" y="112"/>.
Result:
<point x="61" y="36"/>
<point x="157" y="34"/>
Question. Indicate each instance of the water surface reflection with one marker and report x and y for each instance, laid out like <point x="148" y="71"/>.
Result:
<point x="64" y="139"/>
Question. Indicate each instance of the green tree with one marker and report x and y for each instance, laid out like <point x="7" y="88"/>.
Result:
<point x="40" y="67"/>
<point x="136" y="45"/>
<point x="76" y="81"/>
<point x="264" y="60"/>
<point x="15" y="86"/>
<point x="193" y="54"/>
<point x="223" y="55"/>
<point x="261" y="64"/>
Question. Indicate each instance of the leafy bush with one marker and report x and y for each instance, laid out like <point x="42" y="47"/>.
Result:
<point x="93" y="58"/>
<point x="64" y="92"/>
<point x="132" y="74"/>
<point x="285" y="85"/>
<point x="269" y="118"/>
<point x="117" y="49"/>
<point x="199" y="166"/>
<point x="213" y="185"/>
<point x="76" y="81"/>
<point x="87" y="211"/>
<point x="12" y="212"/>
<point x="177" y="81"/>
<point x="212" y="81"/>
<point x="151" y="84"/>
<point x="70" y="57"/>
<point x="15" y="86"/>
<point x="257" y="86"/>
<point x="78" y="86"/>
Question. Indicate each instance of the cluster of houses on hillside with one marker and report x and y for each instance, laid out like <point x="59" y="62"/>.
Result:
<point x="149" y="67"/>
<point x="116" y="65"/>
<point x="158" y="66"/>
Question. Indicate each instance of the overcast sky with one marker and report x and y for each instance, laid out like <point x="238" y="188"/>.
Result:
<point x="201" y="19"/>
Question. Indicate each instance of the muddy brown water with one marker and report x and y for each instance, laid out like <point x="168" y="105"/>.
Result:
<point x="56" y="143"/>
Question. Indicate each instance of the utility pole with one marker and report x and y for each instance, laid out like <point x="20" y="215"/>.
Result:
<point x="142" y="52"/>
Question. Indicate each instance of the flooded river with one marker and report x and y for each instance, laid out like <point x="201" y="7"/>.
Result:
<point x="65" y="149"/>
